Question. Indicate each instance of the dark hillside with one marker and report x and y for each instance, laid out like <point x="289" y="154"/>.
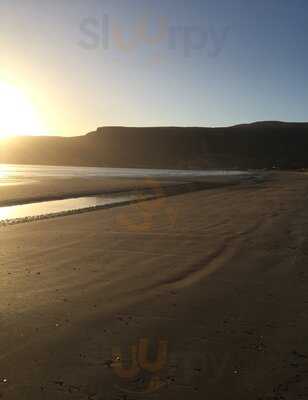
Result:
<point x="257" y="145"/>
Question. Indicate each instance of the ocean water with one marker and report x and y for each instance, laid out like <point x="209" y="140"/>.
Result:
<point x="10" y="173"/>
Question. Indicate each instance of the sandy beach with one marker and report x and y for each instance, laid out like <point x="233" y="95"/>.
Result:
<point x="217" y="279"/>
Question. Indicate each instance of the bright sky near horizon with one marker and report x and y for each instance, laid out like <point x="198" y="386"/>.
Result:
<point x="67" y="67"/>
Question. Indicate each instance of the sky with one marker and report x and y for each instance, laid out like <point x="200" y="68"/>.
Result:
<point x="80" y="64"/>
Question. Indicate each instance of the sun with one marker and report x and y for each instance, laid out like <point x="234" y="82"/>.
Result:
<point x="18" y="116"/>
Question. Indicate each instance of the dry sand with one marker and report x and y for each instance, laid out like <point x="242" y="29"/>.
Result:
<point x="219" y="275"/>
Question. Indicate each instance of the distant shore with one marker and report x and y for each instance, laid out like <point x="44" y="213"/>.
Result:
<point x="266" y="144"/>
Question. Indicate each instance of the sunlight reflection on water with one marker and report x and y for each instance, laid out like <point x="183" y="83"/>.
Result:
<point x="4" y="213"/>
<point x="3" y="172"/>
<point x="33" y="210"/>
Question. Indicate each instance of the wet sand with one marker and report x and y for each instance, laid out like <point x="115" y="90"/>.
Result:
<point x="219" y="275"/>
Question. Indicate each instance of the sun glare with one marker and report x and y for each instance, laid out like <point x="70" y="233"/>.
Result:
<point x="18" y="114"/>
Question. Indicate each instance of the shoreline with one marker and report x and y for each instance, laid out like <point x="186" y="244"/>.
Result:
<point x="163" y="191"/>
<point x="29" y="186"/>
<point x="76" y="195"/>
<point x="44" y="189"/>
